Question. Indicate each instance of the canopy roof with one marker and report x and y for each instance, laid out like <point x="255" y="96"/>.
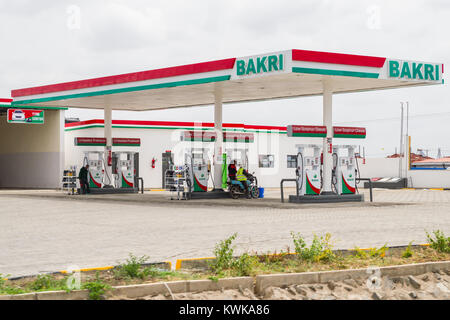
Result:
<point x="291" y="73"/>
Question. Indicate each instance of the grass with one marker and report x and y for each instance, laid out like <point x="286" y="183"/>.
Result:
<point x="312" y="257"/>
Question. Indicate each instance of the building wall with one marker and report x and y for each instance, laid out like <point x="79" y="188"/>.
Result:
<point x="384" y="167"/>
<point x="154" y="142"/>
<point x="32" y="155"/>
<point x="378" y="167"/>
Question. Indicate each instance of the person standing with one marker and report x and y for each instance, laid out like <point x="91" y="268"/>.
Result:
<point x="84" y="182"/>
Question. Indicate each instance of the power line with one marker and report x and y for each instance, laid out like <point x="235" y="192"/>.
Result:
<point x="425" y="115"/>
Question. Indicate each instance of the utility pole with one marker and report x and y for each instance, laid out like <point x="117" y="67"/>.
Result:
<point x="400" y="171"/>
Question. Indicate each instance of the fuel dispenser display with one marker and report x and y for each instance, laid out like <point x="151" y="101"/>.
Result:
<point x="198" y="168"/>
<point x="96" y="173"/>
<point x="123" y="169"/>
<point x="238" y="155"/>
<point x="308" y="170"/>
<point x="344" y="169"/>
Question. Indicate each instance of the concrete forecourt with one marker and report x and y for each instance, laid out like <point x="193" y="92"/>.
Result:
<point x="53" y="232"/>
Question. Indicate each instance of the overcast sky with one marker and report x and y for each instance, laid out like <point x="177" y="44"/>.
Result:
<point x="45" y="42"/>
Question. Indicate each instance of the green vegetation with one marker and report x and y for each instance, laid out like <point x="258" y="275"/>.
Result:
<point x="97" y="288"/>
<point x="224" y="255"/>
<point x="371" y="253"/>
<point x="319" y="250"/>
<point x="47" y="283"/>
<point x="7" y="289"/>
<point x="132" y="268"/>
<point x="439" y="242"/>
<point x="408" y="253"/>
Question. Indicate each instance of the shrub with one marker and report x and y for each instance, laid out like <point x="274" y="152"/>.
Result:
<point x="408" y="253"/>
<point x="439" y="242"/>
<point x="132" y="268"/>
<point x="96" y="288"/>
<point x="47" y="282"/>
<point x="320" y="249"/>
<point x="244" y="265"/>
<point x="223" y="252"/>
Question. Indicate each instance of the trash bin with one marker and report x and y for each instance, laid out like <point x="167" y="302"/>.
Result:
<point x="261" y="192"/>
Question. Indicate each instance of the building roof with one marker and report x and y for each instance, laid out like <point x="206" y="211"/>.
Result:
<point x="445" y="160"/>
<point x="284" y="74"/>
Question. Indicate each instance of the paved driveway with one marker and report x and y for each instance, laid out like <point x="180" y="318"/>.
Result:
<point x="46" y="234"/>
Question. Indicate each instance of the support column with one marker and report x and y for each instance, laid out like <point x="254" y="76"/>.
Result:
<point x="218" y="144"/>
<point x="328" y="141"/>
<point x="108" y="180"/>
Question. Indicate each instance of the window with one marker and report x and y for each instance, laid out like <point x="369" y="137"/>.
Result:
<point x="291" y="161"/>
<point x="266" y="161"/>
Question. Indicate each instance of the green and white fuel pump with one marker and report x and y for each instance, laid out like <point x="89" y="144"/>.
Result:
<point x="308" y="170"/>
<point x="123" y="169"/>
<point x="198" y="168"/>
<point x="344" y="169"/>
<point x="96" y="170"/>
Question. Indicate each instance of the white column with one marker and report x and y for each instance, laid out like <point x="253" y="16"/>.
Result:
<point x="108" y="180"/>
<point x="218" y="145"/>
<point x="328" y="122"/>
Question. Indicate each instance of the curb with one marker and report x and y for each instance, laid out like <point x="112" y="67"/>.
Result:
<point x="282" y="280"/>
<point x="258" y="287"/>
<point x="142" y="290"/>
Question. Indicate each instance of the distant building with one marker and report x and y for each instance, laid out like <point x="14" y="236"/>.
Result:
<point x="443" y="163"/>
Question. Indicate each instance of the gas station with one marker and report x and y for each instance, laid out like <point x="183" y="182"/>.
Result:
<point x="277" y="75"/>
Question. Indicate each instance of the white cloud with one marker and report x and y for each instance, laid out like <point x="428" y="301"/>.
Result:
<point x="118" y="36"/>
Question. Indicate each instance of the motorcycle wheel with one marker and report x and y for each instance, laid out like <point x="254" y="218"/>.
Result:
<point x="235" y="192"/>
<point x="255" y="192"/>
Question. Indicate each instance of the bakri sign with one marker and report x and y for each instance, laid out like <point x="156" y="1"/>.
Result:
<point x="260" y="65"/>
<point x="410" y="70"/>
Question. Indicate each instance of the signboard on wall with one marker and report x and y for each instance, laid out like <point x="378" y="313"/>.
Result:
<point x="238" y="137"/>
<point x="307" y="131"/>
<point x="210" y="136"/>
<point x="101" y="142"/>
<point x="203" y="136"/>
<point x="29" y="116"/>
<point x="349" y="132"/>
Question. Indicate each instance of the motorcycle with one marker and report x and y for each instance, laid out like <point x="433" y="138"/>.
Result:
<point x="237" y="190"/>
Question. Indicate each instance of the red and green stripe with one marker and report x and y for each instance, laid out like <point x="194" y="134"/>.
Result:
<point x="125" y="90"/>
<point x="196" y="68"/>
<point x="341" y="73"/>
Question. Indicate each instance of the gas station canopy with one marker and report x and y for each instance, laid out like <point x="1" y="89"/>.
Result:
<point x="283" y="74"/>
<point x="291" y="73"/>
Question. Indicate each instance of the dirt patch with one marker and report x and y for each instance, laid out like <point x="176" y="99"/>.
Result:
<point x="429" y="286"/>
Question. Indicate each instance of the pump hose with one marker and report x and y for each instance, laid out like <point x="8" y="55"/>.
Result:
<point x="106" y="172"/>
<point x="333" y="174"/>
<point x="300" y="185"/>
<point x="358" y="173"/>
<point x="211" y="176"/>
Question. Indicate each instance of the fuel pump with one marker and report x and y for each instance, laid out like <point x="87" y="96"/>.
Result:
<point x="344" y="169"/>
<point x="309" y="169"/>
<point x="96" y="173"/>
<point x="123" y="169"/>
<point x="198" y="168"/>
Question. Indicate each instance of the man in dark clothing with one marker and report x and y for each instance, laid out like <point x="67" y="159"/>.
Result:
<point x="84" y="182"/>
<point x="232" y="170"/>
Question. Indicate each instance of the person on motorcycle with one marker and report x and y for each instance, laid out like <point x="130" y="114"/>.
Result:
<point x="232" y="170"/>
<point x="241" y="176"/>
